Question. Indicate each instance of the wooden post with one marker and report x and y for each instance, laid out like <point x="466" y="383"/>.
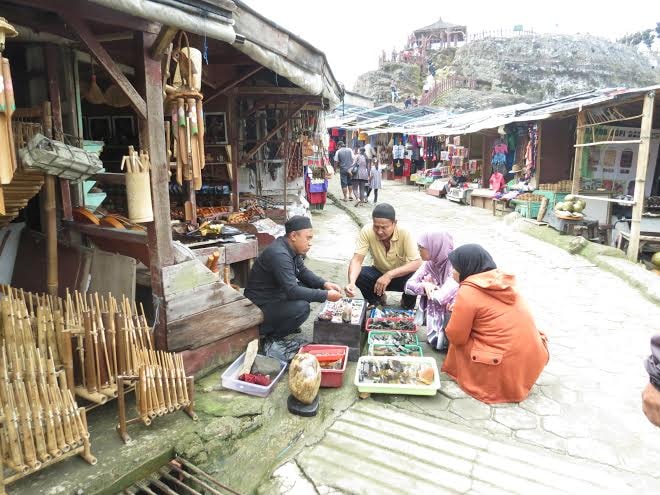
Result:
<point x="152" y="139"/>
<point x="640" y="177"/>
<point x="233" y="125"/>
<point x="51" y="54"/>
<point x="286" y="161"/>
<point x="577" y="162"/>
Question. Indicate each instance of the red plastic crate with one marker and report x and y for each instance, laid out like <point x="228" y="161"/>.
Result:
<point x="329" y="378"/>
<point x="367" y="327"/>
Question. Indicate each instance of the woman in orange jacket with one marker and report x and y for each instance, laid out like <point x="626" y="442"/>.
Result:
<point x="496" y="353"/>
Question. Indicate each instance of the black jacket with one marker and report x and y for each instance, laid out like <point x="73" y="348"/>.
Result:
<point x="653" y="361"/>
<point x="279" y="274"/>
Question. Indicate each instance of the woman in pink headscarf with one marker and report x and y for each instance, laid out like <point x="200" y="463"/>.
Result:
<point x="433" y="281"/>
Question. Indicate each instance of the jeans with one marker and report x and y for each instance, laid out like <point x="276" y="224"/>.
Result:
<point x="358" y="189"/>
<point x="283" y="317"/>
<point x="367" y="280"/>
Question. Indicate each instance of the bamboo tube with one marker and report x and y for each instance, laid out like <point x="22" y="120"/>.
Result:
<point x="176" y="144"/>
<point x="109" y="327"/>
<point x="51" y="234"/>
<point x="202" y="132"/>
<point x="90" y="372"/>
<point x="35" y="407"/>
<point x="167" y="384"/>
<point x="80" y="421"/>
<point x="11" y="423"/>
<point x="51" y="338"/>
<point x="51" y="439"/>
<point x="29" y="452"/>
<point x="67" y="350"/>
<point x="182" y="372"/>
<point x="121" y="344"/>
<point x="158" y="380"/>
<point x="180" y="385"/>
<point x="143" y="398"/>
<point x="151" y="389"/>
<point x="69" y="407"/>
<point x="58" y="422"/>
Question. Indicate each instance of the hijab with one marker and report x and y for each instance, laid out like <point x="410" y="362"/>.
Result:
<point x="471" y="259"/>
<point x="439" y="245"/>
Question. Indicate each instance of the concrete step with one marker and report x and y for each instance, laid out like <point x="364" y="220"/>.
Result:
<point x="374" y="448"/>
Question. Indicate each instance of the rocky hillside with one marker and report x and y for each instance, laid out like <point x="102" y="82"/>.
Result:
<point x="529" y="68"/>
<point x="376" y="83"/>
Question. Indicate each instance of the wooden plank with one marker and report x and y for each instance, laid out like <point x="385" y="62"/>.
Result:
<point x="274" y="131"/>
<point x="162" y="42"/>
<point x="241" y="251"/>
<point x="577" y="162"/>
<point x="185" y="276"/>
<point x="113" y="273"/>
<point x="640" y="177"/>
<point x="198" y="299"/>
<point x="212" y="325"/>
<point x="205" y="359"/>
<point x="105" y="60"/>
<point x="232" y="84"/>
<point x="110" y="178"/>
<point x="152" y="139"/>
<point x="123" y="235"/>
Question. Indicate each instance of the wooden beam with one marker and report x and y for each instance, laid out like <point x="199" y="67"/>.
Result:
<point x="104" y="59"/>
<point x="232" y="84"/>
<point x="163" y="40"/>
<point x="271" y="90"/>
<point x="577" y="162"/>
<point x="274" y="131"/>
<point x="640" y="176"/>
<point x="152" y="140"/>
<point x="93" y="12"/>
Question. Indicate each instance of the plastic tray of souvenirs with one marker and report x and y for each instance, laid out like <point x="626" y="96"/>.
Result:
<point x="333" y="360"/>
<point x="397" y="375"/>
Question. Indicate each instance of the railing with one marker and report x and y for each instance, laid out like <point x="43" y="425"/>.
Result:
<point x="444" y="85"/>
<point x="499" y="33"/>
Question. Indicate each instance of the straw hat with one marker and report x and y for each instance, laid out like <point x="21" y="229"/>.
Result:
<point x="516" y="169"/>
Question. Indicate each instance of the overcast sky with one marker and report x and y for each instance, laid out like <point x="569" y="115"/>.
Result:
<point x="352" y="34"/>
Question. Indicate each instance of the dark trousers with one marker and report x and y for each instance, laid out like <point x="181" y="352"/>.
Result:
<point x="375" y="193"/>
<point x="367" y="280"/>
<point x="283" y="317"/>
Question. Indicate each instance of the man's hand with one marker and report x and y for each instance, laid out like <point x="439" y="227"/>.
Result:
<point x="351" y="290"/>
<point x="381" y="284"/>
<point x="334" y="296"/>
<point x="651" y="404"/>
<point x="429" y="287"/>
<point x="331" y="286"/>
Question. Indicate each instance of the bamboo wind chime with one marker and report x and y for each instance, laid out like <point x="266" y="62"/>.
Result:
<point x="185" y="103"/>
<point x="8" y="161"/>
<point x="41" y="421"/>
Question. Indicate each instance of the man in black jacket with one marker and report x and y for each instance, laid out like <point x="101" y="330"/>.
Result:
<point x="281" y="285"/>
<point x="651" y="394"/>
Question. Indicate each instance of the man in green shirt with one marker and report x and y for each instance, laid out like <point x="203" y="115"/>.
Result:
<point x="395" y="257"/>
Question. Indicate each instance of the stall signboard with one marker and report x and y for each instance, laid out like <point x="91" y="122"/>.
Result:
<point x="613" y="166"/>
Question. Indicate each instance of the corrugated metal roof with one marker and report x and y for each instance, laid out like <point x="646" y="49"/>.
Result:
<point x="470" y="122"/>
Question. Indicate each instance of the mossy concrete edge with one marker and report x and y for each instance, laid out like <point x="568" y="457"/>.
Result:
<point x="596" y="253"/>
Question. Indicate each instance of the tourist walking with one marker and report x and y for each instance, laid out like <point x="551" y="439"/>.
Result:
<point x="360" y="176"/>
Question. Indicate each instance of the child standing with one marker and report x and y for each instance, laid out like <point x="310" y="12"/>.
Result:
<point x="374" y="180"/>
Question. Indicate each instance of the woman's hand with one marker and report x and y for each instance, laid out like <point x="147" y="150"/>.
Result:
<point x="429" y="287"/>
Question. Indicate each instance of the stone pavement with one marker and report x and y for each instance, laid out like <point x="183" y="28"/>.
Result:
<point x="585" y="407"/>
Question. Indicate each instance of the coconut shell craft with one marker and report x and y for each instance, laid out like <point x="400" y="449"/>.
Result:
<point x="305" y="377"/>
